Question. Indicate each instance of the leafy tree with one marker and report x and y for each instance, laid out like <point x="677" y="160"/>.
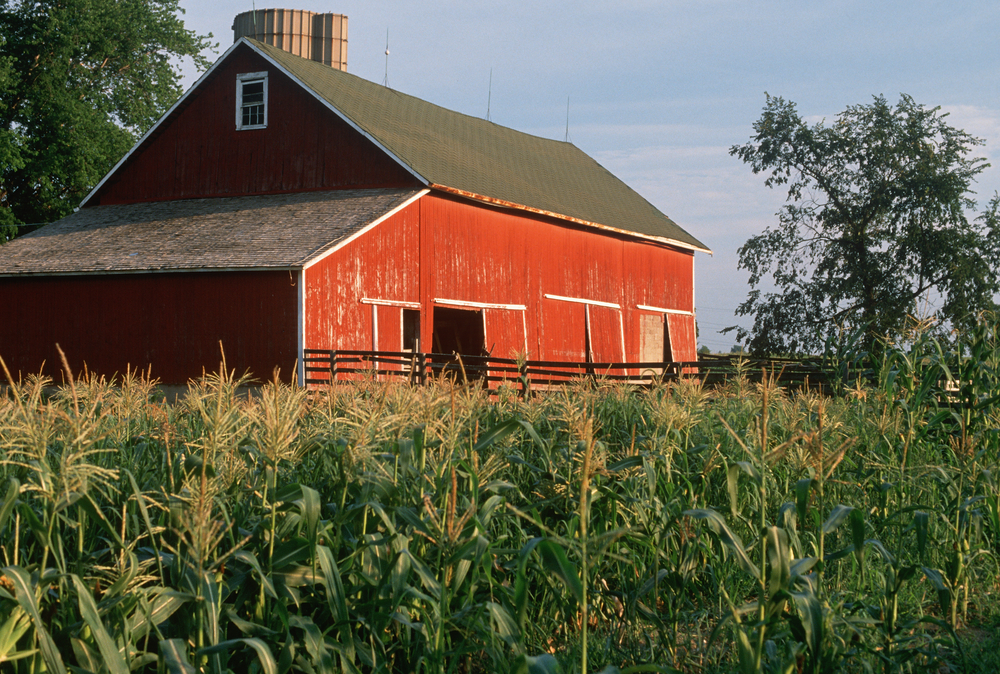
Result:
<point x="80" y="81"/>
<point x="875" y="224"/>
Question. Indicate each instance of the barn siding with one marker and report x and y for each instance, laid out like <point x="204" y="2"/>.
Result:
<point x="441" y="248"/>
<point x="199" y="153"/>
<point x="172" y="323"/>
<point x="483" y="254"/>
<point x="381" y="264"/>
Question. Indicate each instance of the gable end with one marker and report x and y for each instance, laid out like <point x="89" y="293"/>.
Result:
<point x="294" y="143"/>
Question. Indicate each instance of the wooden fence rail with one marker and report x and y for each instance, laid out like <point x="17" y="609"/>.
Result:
<point x="324" y="367"/>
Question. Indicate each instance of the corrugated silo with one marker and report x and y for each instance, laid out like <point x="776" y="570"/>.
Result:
<point x="320" y="37"/>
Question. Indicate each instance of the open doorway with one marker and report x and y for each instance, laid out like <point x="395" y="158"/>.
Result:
<point x="411" y="330"/>
<point x="459" y="331"/>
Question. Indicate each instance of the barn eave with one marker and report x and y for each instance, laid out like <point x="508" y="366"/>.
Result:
<point x="559" y="216"/>
<point x="134" y="272"/>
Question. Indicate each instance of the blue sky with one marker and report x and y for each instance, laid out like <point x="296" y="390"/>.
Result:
<point x="659" y="90"/>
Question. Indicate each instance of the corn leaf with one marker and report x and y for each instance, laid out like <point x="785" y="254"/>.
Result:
<point x="10" y="500"/>
<point x="174" y="658"/>
<point x="718" y="525"/>
<point x="25" y="594"/>
<point x="267" y="662"/>
<point x="496" y="434"/>
<point x="503" y="624"/>
<point x="164" y="604"/>
<point x="555" y="562"/>
<point x="337" y="600"/>
<point x="314" y="643"/>
<point x="113" y="657"/>
<point x="11" y="631"/>
<point x="836" y="518"/>
<point x="250" y="560"/>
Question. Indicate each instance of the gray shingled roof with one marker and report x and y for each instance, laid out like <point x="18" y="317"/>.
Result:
<point x="472" y="155"/>
<point x="257" y="232"/>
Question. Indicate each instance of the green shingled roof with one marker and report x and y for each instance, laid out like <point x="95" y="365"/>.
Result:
<point x="457" y="152"/>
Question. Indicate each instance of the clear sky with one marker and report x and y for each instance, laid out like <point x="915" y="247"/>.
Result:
<point x="658" y="90"/>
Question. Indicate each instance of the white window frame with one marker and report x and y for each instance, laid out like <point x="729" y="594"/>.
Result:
<point x="246" y="78"/>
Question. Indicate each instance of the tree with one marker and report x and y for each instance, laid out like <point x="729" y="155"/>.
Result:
<point x="875" y="224"/>
<point x="80" y="81"/>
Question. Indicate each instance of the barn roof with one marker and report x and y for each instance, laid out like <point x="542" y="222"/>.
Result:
<point x="278" y="231"/>
<point x="473" y="157"/>
<point x="478" y="158"/>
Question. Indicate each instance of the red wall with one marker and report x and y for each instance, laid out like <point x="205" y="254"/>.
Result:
<point x="172" y="322"/>
<point x="436" y="248"/>
<point x="198" y="152"/>
<point x="444" y="248"/>
<point x="381" y="264"/>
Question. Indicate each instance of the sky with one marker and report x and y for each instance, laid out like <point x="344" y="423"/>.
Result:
<point x="657" y="91"/>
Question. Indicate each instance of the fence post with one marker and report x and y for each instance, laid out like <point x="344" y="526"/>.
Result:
<point x="333" y="366"/>
<point x="414" y="377"/>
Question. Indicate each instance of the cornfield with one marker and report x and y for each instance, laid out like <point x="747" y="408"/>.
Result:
<point x="377" y="527"/>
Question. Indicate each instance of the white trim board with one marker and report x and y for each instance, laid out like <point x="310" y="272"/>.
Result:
<point x="580" y="300"/>
<point x="661" y="310"/>
<point x="479" y="305"/>
<point x="301" y="290"/>
<point x="402" y="304"/>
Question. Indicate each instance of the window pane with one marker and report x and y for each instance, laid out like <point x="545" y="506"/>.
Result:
<point x="252" y="115"/>
<point x="253" y="92"/>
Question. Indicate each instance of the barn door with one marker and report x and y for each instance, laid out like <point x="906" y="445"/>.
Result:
<point x="505" y="332"/>
<point x="682" y="337"/>
<point x="387" y="333"/>
<point x="565" y="326"/>
<point x="605" y="336"/>
<point x="505" y="338"/>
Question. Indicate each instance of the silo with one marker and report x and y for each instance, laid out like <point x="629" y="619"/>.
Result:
<point x="320" y="37"/>
<point x="329" y="34"/>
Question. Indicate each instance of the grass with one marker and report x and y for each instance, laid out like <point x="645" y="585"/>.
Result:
<point x="381" y="528"/>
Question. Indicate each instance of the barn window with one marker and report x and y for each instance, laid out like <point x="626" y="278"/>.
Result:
<point x="251" y="101"/>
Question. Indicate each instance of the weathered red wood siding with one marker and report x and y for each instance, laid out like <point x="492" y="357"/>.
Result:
<point x="172" y="322"/>
<point x="475" y="253"/>
<point x="199" y="153"/>
<point x="441" y="248"/>
<point x="381" y="264"/>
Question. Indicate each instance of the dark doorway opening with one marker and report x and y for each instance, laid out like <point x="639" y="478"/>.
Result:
<point x="459" y="331"/>
<point x="411" y="330"/>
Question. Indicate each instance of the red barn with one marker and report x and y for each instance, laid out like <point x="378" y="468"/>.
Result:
<point x="282" y="205"/>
